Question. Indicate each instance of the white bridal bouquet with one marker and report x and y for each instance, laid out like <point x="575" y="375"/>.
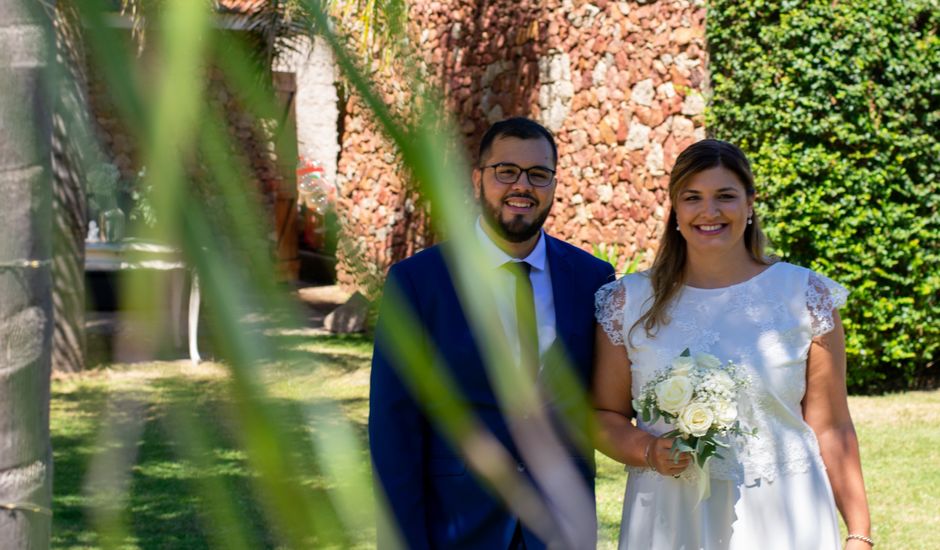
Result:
<point x="699" y="395"/>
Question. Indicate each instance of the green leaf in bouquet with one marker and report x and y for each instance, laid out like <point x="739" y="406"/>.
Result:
<point x="700" y="459"/>
<point x="685" y="353"/>
<point x="685" y="446"/>
<point x="712" y="450"/>
<point x="675" y="450"/>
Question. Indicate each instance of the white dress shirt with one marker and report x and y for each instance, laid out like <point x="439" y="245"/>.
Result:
<point x="541" y="279"/>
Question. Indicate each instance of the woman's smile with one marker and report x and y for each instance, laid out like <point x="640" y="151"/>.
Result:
<point x="712" y="229"/>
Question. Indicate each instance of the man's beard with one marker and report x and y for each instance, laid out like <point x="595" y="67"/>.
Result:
<point x="516" y="230"/>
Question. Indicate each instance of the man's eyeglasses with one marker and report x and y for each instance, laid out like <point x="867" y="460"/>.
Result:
<point x="507" y="172"/>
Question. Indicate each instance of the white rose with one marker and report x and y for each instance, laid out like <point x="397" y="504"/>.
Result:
<point x="673" y="393"/>
<point x="721" y="381"/>
<point x="695" y="419"/>
<point x="682" y="366"/>
<point x="707" y="361"/>
<point x="726" y="412"/>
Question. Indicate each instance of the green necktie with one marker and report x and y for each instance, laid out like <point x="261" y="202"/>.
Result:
<point x="525" y="317"/>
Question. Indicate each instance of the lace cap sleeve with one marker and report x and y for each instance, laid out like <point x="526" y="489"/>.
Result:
<point x="823" y="296"/>
<point x="609" y="303"/>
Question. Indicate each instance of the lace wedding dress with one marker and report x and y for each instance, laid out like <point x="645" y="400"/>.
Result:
<point x="769" y="491"/>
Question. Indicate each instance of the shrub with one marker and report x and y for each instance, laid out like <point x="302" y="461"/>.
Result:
<point x="837" y="104"/>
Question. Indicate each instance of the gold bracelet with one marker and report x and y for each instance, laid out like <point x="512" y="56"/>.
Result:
<point x="862" y="538"/>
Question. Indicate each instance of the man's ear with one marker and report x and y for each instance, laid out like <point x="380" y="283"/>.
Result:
<point x="477" y="177"/>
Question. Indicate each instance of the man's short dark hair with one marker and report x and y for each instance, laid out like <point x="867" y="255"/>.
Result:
<point x="516" y="127"/>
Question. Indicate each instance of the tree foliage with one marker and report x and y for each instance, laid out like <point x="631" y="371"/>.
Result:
<point x="279" y="25"/>
<point x="837" y="104"/>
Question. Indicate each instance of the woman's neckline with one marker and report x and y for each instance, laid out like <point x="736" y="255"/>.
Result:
<point x="740" y="283"/>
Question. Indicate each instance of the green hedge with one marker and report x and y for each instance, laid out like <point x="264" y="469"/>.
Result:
<point x="837" y="104"/>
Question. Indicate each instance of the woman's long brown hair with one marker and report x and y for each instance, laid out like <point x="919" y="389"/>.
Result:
<point x="668" y="272"/>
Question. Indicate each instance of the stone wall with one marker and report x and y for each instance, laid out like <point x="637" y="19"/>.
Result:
<point x="381" y="217"/>
<point x="620" y="83"/>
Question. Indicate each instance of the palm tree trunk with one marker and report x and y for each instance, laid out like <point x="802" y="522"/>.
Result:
<point x="25" y="279"/>
<point x="71" y="139"/>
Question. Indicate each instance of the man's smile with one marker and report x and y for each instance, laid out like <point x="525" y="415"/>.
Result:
<point x="520" y="203"/>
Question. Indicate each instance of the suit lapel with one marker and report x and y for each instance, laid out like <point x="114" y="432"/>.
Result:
<point x="563" y="374"/>
<point x="563" y="281"/>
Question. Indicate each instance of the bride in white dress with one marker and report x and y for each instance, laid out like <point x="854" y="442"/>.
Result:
<point x="711" y="289"/>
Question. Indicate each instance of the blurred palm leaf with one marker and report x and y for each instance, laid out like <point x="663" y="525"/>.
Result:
<point x="186" y="146"/>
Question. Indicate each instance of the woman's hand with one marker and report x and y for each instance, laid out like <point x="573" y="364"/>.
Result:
<point x="659" y="457"/>
<point x="618" y="437"/>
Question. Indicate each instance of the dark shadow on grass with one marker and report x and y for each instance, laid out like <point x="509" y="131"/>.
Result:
<point x="73" y="444"/>
<point x="304" y="362"/>
<point x="165" y="507"/>
<point x="301" y="354"/>
<point x="358" y="339"/>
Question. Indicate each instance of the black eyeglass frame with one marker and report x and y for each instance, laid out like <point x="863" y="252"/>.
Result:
<point x="519" y="175"/>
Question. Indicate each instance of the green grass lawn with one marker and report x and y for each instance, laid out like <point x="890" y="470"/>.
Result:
<point x="121" y="479"/>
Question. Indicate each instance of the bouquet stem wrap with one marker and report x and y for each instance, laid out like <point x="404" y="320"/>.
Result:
<point x="704" y="482"/>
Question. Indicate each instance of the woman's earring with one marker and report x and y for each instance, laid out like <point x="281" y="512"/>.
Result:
<point x="749" y="221"/>
<point x="677" y="226"/>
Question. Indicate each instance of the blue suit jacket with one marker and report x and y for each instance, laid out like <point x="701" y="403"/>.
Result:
<point x="435" y="500"/>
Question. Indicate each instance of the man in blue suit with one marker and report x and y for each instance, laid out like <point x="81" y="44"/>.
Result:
<point x="434" y="499"/>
